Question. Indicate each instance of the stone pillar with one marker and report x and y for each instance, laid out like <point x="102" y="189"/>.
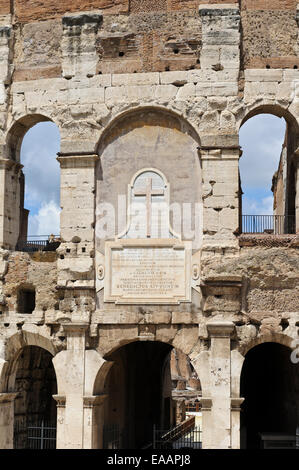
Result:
<point x="7" y="420"/>
<point x="77" y="220"/>
<point x="220" y="385"/>
<point x="10" y="210"/>
<point x="296" y="163"/>
<point x="93" y="421"/>
<point x="5" y="69"/>
<point x="207" y="429"/>
<point x="80" y="411"/>
<point x="60" y="433"/>
<point x="70" y="371"/>
<point x="79" y="55"/>
<point x="77" y="196"/>
<point x="220" y="172"/>
<point x="235" y="422"/>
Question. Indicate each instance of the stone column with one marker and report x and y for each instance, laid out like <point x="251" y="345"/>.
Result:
<point x="7" y="420"/>
<point x="10" y="210"/>
<point x="93" y="421"/>
<point x="220" y="384"/>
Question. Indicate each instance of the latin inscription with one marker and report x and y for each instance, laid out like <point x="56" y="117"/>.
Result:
<point x="148" y="272"/>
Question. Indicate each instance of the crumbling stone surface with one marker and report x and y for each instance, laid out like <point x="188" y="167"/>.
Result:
<point x="179" y="77"/>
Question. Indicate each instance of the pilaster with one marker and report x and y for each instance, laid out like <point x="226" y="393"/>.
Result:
<point x="220" y="333"/>
<point x="7" y="420"/>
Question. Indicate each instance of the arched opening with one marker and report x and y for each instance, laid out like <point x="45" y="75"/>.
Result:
<point x="270" y="386"/>
<point x="144" y="400"/>
<point x="267" y="193"/>
<point x="34" y="142"/>
<point x="155" y="140"/>
<point x="34" y="406"/>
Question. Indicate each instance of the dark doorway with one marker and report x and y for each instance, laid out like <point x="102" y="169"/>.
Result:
<point x="139" y="391"/>
<point x="270" y="386"/>
<point x="35" y="408"/>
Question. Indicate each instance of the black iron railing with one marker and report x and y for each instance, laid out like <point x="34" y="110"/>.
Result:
<point x="35" y="435"/>
<point x="184" y="436"/>
<point x="111" y="436"/>
<point x="271" y="224"/>
<point x="38" y="243"/>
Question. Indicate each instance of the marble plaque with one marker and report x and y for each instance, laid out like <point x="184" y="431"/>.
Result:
<point x="144" y="271"/>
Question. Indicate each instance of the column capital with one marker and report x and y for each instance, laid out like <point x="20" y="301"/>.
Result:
<point x="89" y="401"/>
<point x="236" y="403"/>
<point x="220" y="153"/>
<point x="77" y="160"/>
<point x="206" y="403"/>
<point x="79" y="327"/>
<point x="7" y="164"/>
<point x="8" y="397"/>
<point x="220" y="328"/>
<point x="60" y="400"/>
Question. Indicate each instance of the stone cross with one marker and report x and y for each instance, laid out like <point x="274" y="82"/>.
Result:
<point x="148" y="192"/>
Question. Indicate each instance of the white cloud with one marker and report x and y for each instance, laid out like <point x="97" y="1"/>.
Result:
<point x="42" y="178"/>
<point x="261" y="139"/>
<point x="252" y="206"/>
<point x="46" y="221"/>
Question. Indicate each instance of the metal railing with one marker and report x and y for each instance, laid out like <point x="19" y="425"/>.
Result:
<point x="271" y="224"/>
<point x="184" y="436"/>
<point x="111" y="436"/>
<point x="35" y="435"/>
<point x="38" y="243"/>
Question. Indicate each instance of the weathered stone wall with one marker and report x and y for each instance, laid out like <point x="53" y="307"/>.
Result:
<point x="146" y="36"/>
<point x="135" y="84"/>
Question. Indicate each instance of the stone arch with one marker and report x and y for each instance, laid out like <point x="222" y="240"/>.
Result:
<point x="268" y="371"/>
<point x="271" y="337"/>
<point x="117" y="381"/>
<point x="119" y="343"/>
<point x="284" y="178"/>
<point x="29" y="376"/>
<point x="18" y="130"/>
<point x="238" y="355"/>
<point x="274" y="108"/>
<point x="147" y="137"/>
<point x="13" y="349"/>
<point x="180" y="122"/>
<point x="15" y="215"/>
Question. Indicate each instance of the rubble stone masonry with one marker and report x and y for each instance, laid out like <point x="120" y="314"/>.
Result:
<point x="133" y="84"/>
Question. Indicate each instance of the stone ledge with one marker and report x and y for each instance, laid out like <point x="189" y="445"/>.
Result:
<point x="269" y="241"/>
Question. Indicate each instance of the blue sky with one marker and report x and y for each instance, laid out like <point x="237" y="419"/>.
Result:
<point x="42" y="178"/>
<point x="261" y="139"/>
